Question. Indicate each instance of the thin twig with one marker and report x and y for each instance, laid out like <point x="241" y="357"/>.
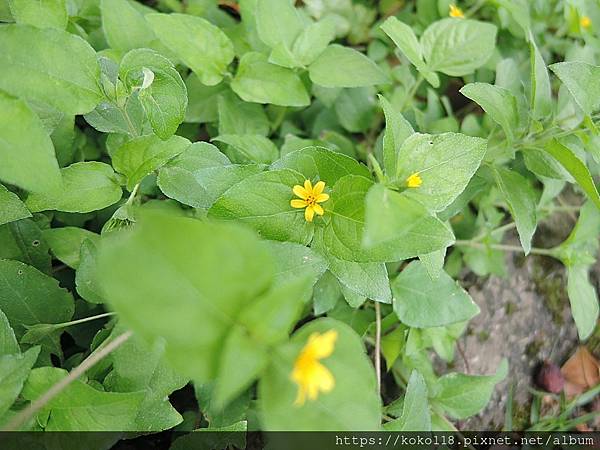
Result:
<point x="26" y="414"/>
<point x="463" y="356"/>
<point x="377" y="355"/>
<point x="506" y="248"/>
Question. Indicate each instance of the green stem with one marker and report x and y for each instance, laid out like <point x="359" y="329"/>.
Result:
<point x="133" y="194"/>
<point x="85" y="319"/>
<point x="502" y="247"/>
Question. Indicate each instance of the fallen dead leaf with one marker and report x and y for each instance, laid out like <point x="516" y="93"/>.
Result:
<point x="581" y="372"/>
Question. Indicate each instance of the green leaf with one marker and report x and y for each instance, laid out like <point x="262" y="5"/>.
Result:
<point x="251" y="148"/>
<point x="124" y="26"/>
<point x="321" y="163"/>
<point x="202" y="100"/>
<point x="415" y="409"/>
<point x="326" y="294"/>
<point x="397" y="130"/>
<point x="405" y="39"/>
<point x="499" y="103"/>
<point x="26" y="152"/>
<point x="239" y="117"/>
<point x="23" y="241"/>
<point x="313" y="40"/>
<point x="259" y="81"/>
<point x="583" y="82"/>
<point x="201" y="46"/>
<point x="343" y="236"/>
<point x="445" y="162"/>
<point x="29" y="297"/>
<point x="14" y="370"/>
<point x="541" y="90"/>
<point x="277" y="22"/>
<point x="109" y="118"/>
<point x="86" y="277"/>
<point x="158" y="259"/>
<point x="80" y="407"/>
<point x="458" y="47"/>
<point x="522" y="202"/>
<point x="200" y="175"/>
<point x="65" y="243"/>
<point x="422" y="302"/>
<point x="263" y="202"/>
<point x="41" y="14"/>
<point x="8" y="341"/>
<point x="583" y="299"/>
<point x="11" y="207"/>
<point x="141" y="156"/>
<point x="462" y="396"/>
<point x="87" y="186"/>
<point x="575" y="167"/>
<point x="139" y="366"/>
<point x="340" y="66"/>
<point x="49" y="66"/>
<point x="165" y="100"/>
<point x="352" y="404"/>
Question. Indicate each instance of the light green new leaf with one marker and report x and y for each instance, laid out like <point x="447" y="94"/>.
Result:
<point x="29" y="297"/>
<point x="40" y="13"/>
<point x="80" y="407"/>
<point x="251" y="148"/>
<point x="14" y="370"/>
<point x="138" y="366"/>
<point x="445" y="162"/>
<point x="259" y="81"/>
<point x="522" y="202"/>
<point x="397" y="130"/>
<point x="394" y="219"/>
<point x="541" y="90"/>
<point x="200" y="175"/>
<point x="27" y="156"/>
<point x="352" y="404"/>
<point x="322" y="164"/>
<point x="462" y="396"/>
<point x="313" y="40"/>
<point x="415" y="409"/>
<point x="405" y="39"/>
<point x="201" y="46"/>
<point x="165" y="99"/>
<point x="124" y="26"/>
<point x="49" y="66"/>
<point x="87" y="186"/>
<point x="583" y="82"/>
<point x="152" y="276"/>
<point x="499" y="103"/>
<point x="143" y="155"/>
<point x="340" y="66"/>
<point x="11" y="207"/>
<point x="458" y="47"/>
<point x="583" y="299"/>
<point x="575" y="167"/>
<point x="278" y="22"/>
<point x="263" y="202"/>
<point x="65" y="243"/>
<point x="422" y="302"/>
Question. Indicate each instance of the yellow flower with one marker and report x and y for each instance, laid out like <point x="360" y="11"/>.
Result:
<point x="455" y="11"/>
<point x="414" y="181"/>
<point x="309" y="374"/>
<point x="310" y="197"/>
<point x="585" y="22"/>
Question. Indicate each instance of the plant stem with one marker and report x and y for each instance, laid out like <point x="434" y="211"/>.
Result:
<point x="411" y="93"/>
<point x="26" y="414"/>
<point x="506" y="248"/>
<point x="133" y="194"/>
<point x="377" y="355"/>
<point x="85" y="319"/>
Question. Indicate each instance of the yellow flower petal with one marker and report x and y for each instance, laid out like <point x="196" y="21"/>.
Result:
<point x="308" y="186"/>
<point x="322" y="198"/>
<point x="319" y="187"/>
<point x="585" y="22"/>
<point x="297" y="203"/>
<point x="322" y="345"/>
<point x="309" y="213"/>
<point x="300" y="192"/>
<point x="455" y="11"/>
<point x="318" y="209"/>
<point x="414" y="181"/>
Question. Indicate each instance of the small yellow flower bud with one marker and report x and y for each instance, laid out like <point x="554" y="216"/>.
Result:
<point x="585" y="22"/>
<point x="414" y="181"/>
<point x="455" y="11"/>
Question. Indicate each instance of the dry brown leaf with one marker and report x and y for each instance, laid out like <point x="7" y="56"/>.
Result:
<point x="581" y="372"/>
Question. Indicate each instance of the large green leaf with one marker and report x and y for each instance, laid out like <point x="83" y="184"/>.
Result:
<point x="80" y="407"/>
<point x="263" y="202"/>
<point x="65" y="243"/>
<point x="27" y="156"/>
<point x="141" y="156"/>
<point x="259" y="81"/>
<point x="457" y="47"/>
<point x="583" y="82"/>
<point x="541" y="90"/>
<point x="8" y="341"/>
<point x="124" y="26"/>
<point x="397" y="130"/>
<point x="415" y="409"/>
<point x="423" y="302"/>
<point x="340" y="66"/>
<point x="201" y="46"/>
<point x="250" y="148"/>
<point x="353" y="404"/>
<point x="445" y="162"/>
<point x="49" y="66"/>
<point x="278" y="23"/>
<point x="583" y="299"/>
<point x="41" y="14"/>
<point x="14" y="370"/>
<point x="23" y="241"/>
<point x="87" y="186"/>
<point x="11" y="207"/>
